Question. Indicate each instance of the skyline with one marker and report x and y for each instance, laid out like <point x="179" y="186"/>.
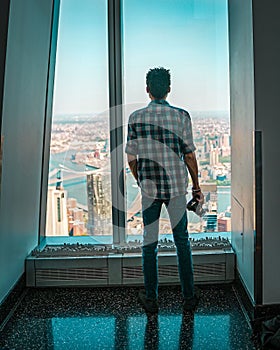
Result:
<point x="191" y="41"/>
<point x="79" y="146"/>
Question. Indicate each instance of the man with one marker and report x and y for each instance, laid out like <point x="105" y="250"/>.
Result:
<point x="159" y="150"/>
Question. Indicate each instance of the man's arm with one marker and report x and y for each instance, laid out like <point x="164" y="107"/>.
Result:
<point x="132" y="162"/>
<point x="190" y="161"/>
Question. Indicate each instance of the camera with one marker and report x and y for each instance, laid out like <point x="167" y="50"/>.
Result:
<point x="195" y="206"/>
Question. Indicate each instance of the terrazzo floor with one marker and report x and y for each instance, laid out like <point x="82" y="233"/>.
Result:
<point x="111" y="318"/>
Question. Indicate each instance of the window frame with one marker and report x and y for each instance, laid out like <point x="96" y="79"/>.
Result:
<point x="116" y="120"/>
<point x="48" y="121"/>
<point x="115" y="87"/>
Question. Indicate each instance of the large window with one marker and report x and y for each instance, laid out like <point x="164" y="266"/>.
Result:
<point x="190" y="39"/>
<point x="187" y="37"/>
<point x="79" y="192"/>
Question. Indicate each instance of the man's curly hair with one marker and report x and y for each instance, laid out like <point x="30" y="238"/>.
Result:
<point x="158" y="82"/>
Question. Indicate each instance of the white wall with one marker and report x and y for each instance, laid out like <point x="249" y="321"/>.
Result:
<point x="255" y="104"/>
<point x="22" y="127"/>
<point x="267" y="102"/>
<point x="242" y="126"/>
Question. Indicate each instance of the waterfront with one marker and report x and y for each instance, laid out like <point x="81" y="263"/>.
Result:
<point x="80" y="145"/>
<point x="76" y="188"/>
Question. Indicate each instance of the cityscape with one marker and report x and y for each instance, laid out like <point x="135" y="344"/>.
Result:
<point x="79" y="191"/>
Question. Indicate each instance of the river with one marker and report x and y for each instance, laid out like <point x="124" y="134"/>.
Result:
<point x="76" y="188"/>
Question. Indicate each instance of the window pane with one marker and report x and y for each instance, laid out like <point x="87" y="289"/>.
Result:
<point x="79" y="193"/>
<point x="191" y="39"/>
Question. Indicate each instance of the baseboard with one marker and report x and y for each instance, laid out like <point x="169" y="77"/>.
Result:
<point x="244" y="297"/>
<point x="257" y="313"/>
<point x="8" y="304"/>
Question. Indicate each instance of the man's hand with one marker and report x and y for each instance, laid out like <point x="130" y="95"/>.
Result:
<point x="198" y="195"/>
<point x="190" y="161"/>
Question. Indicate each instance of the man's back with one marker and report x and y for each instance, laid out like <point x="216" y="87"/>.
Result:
<point x="160" y="135"/>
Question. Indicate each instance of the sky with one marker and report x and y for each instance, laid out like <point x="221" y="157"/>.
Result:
<point x="189" y="37"/>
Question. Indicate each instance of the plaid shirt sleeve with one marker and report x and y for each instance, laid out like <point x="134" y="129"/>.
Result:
<point x="187" y="145"/>
<point x="132" y="142"/>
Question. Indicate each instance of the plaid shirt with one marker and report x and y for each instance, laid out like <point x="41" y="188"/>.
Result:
<point x="159" y="135"/>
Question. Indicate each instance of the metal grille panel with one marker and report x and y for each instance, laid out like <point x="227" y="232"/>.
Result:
<point x="71" y="274"/>
<point x="168" y="271"/>
<point x="210" y="270"/>
<point x="124" y="270"/>
<point x="131" y="272"/>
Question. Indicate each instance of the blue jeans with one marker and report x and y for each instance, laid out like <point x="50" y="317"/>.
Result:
<point x="176" y="208"/>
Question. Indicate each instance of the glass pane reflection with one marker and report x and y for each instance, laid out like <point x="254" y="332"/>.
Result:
<point x="210" y="331"/>
<point x="83" y="333"/>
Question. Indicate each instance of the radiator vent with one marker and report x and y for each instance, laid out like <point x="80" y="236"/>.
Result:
<point x="124" y="270"/>
<point x="131" y="272"/>
<point x="200" y="271"/>
<point x="168" y="271"/>
<point x="209" y="270"/>
<point x="71" y="274"/>
<point x="163" y="271"/>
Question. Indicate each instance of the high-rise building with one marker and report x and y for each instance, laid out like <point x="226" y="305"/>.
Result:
<point x="226" y="140"/>
<point x="210" y="198"/>
<point x="211" y="223"/>
<point x="57" y="220"/>
<point x="225" y="151"/>
<point x="224" y="224"/>
<point x="210" y="192"/>
<point x="99" y="208"/>
<point x="214" y="156"/>
<point x="76" y="218"/>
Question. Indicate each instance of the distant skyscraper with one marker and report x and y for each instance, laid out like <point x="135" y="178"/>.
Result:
<point x="224" y="224"/>
<point x="211" y="223"/>
<point x="214" y="156"/>
<point x="225" y="151"/>
<point x="206" y="146"/>
<point x="225" y="140"/>
<point x="210" y="191"/>
<point x="210" y="197"/>
<point x="76" y="222"/>
<point x="99" y="208"/>
<point x="57" y="221"/>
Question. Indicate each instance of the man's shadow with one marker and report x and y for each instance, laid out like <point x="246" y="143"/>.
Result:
<point x="185" y="341"/>
<point x="151" y="341"/>
<point x="186" y="332"/>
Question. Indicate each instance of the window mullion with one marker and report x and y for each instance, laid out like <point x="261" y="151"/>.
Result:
<point x="48" y="120"/>
<point x="116" y="120"/>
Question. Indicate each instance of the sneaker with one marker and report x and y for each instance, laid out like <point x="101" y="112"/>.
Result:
<point x="149" y="305"/>
<point x="191" y="304"/>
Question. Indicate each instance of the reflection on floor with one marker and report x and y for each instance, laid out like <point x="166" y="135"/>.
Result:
<point x="111" y="318"/>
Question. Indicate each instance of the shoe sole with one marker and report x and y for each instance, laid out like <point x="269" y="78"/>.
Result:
<point x="191" y="308"/>
<point x="149" y="311"/>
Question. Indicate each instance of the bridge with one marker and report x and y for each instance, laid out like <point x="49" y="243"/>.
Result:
<point x="73" y="174"/>
<point x="66" y="178"/>
<point x="135" y="207"/>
